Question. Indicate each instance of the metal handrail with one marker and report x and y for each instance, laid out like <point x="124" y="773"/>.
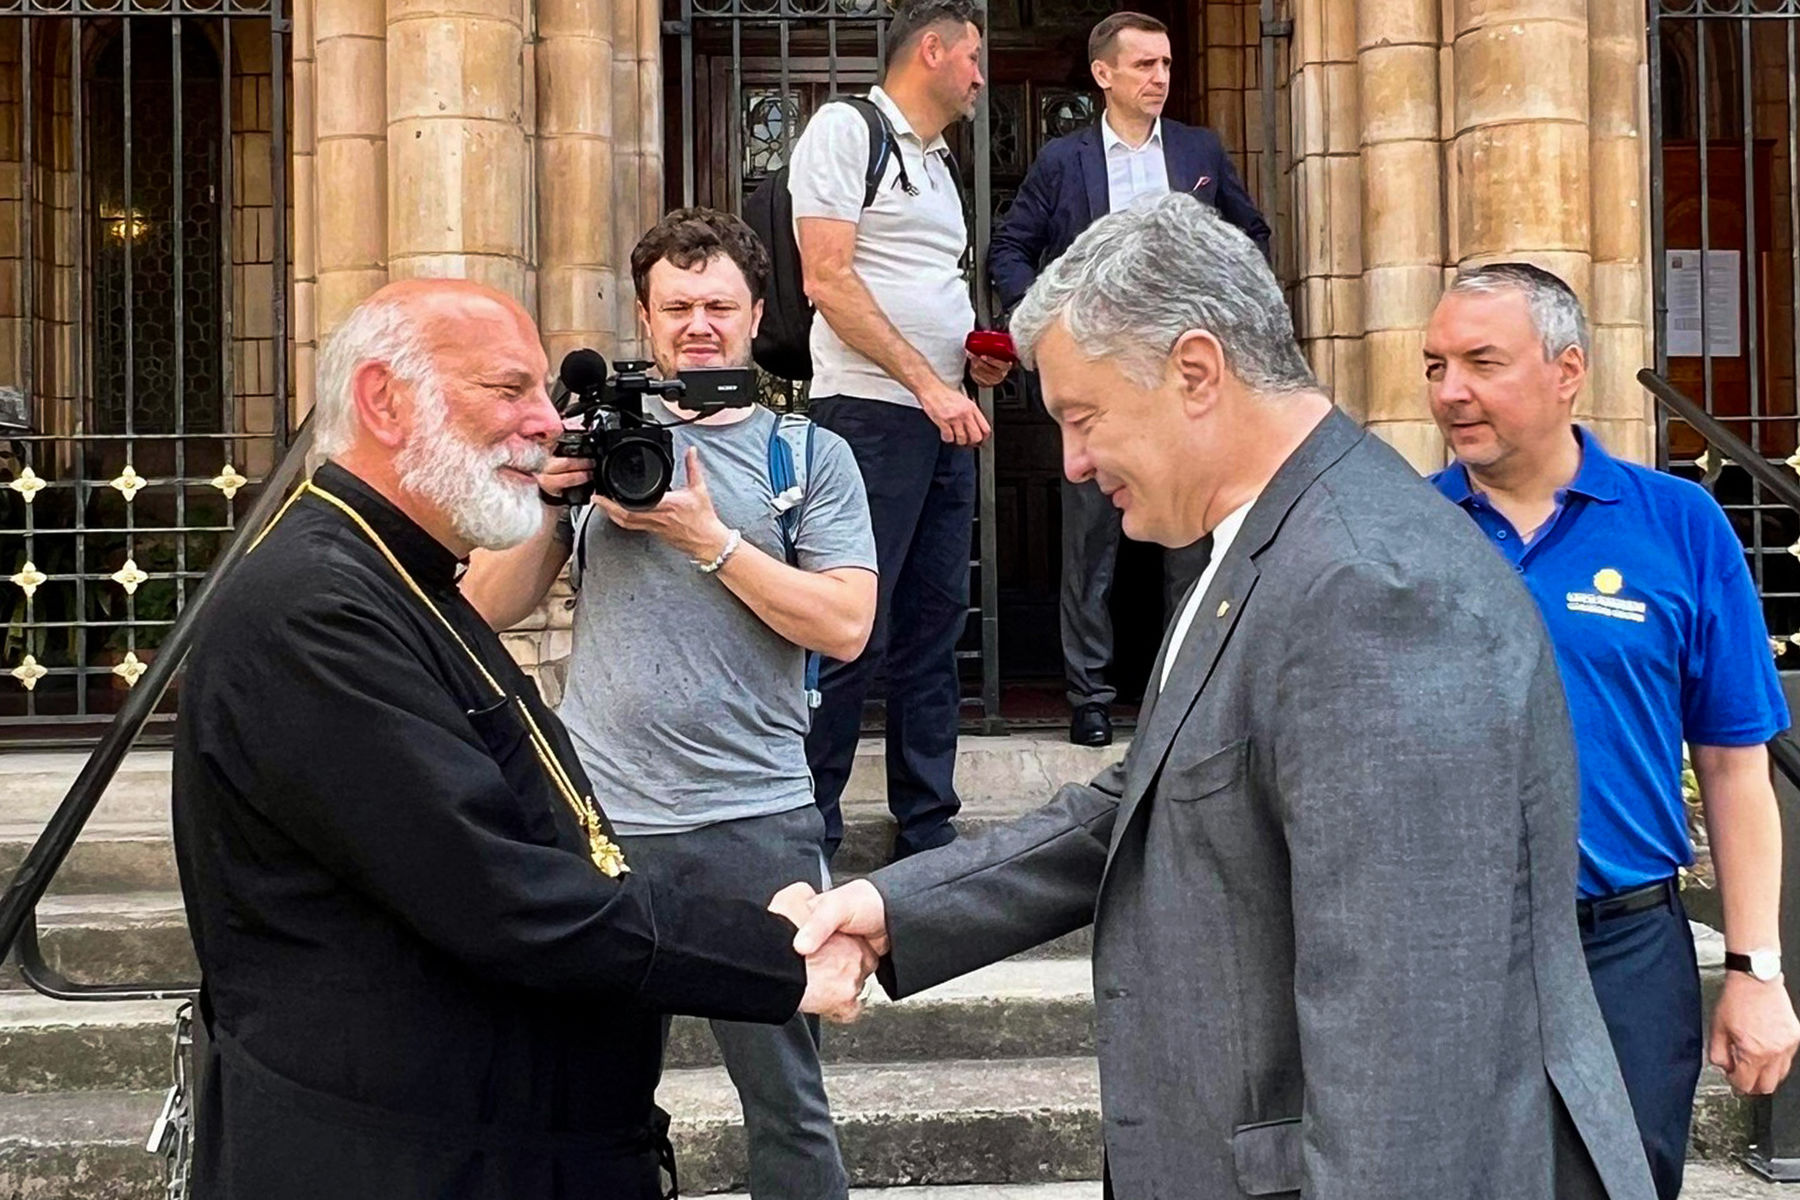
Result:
<point x="1786" y="488"/>
<point x="1774" y="1152"/>
<point x="18" y="905"/>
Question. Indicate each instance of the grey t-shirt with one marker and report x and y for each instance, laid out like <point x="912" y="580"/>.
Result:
<point x="685" y="708"/>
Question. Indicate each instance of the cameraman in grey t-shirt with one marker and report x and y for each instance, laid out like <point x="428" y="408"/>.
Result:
<point x="686" y="689"/>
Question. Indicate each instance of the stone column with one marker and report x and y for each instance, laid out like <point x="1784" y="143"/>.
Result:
<point x="1521" y="130"/>
<point x="459" y="180"/>
<point x="579" y="280"/>
<point x="1617" y="409"/>
<point x="304" y="209"/>
<point x="1329" y="312"/>
<point x="1398" y="43"/>
<point x="637" y="146"/>
<point x="349" y="201"/>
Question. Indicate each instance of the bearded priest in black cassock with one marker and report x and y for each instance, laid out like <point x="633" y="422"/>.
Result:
<point x="429" y="971"/>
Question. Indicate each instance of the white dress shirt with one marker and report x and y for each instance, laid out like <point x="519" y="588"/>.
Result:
<point x="1133" y="174"/>
<point x="1223" y="535"/>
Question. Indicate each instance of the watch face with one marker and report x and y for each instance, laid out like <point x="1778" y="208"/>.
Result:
<point x="1765" y="964"/>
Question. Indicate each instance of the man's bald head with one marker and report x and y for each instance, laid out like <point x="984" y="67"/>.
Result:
<point x="416" y="328"/>
<point x="434" y="391"/>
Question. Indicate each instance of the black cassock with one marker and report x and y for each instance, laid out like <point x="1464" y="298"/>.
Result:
<point x="419" y="981"/>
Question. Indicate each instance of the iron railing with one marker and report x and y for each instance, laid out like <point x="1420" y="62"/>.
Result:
<point x="1775" y="1135"/>
<point x="18" y="904"/>
<point x="147" y="379"/>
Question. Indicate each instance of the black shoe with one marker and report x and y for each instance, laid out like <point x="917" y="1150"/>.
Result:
<point x="1091" y="726"/>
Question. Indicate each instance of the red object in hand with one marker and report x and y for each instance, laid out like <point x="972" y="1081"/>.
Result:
<point x="992" y="343"/>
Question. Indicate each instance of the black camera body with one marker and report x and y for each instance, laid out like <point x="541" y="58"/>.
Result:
<point x="633" y="456"/>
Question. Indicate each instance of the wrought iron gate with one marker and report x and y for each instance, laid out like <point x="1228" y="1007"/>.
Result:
<point x="1725" y="222"/>
<point x="143" y="325"/>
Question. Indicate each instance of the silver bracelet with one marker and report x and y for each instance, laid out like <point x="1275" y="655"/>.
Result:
<point x="732" y="541"/>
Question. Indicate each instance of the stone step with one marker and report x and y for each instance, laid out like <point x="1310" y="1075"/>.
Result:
<point x="142" y="938"/>
<point x="125" y="845"/>
<point x="126" y="938"/>
<point x="1026" y="1121"/>
<point x="1039" y="1009"/>
<point x="1032" y="1121"/>
<point x="1703" y="1181"/>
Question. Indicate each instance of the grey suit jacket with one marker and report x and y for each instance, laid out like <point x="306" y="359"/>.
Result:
<point x="1333" y="881"/>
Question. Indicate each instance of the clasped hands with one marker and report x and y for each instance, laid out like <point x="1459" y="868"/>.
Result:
<point x="842" y="934"/>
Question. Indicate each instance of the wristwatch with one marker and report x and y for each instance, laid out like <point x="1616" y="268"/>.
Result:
<point x="1763" y="965"/>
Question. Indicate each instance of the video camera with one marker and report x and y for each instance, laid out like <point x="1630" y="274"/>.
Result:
<point x="634" y="457"/>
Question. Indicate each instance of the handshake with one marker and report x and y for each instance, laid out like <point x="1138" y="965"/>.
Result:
<point x="842" y="935"/>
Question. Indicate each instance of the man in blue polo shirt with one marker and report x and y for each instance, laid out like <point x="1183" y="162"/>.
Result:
<point x="1660" y="640"/>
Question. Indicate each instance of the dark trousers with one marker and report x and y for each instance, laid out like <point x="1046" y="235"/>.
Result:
<point x="1090" y="553"/>
<point x="1648" y="985"/>
<point x="788" y="1131"/>
<point x="922" y="506"/>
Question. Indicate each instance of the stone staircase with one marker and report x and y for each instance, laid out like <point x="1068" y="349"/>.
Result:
<point x="988" y="1080"/>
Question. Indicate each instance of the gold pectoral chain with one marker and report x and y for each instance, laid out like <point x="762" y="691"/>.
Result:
<point x="606" y="853"/>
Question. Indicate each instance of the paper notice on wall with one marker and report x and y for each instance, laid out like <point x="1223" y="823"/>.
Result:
<point x="1720" y="283"/>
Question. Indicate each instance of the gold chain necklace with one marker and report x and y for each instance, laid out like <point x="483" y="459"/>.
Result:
<point x="606" y="853"/>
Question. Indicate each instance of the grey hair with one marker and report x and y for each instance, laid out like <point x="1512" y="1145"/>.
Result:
<point x="375" y="331"/>
<point x="1137" y="280"/>
<point x="1555" y="312"/>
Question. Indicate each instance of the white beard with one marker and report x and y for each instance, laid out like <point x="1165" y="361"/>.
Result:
<point x="463" y="479"/>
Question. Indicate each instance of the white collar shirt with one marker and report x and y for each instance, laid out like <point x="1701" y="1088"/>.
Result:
<point x="1223" y="535"/>
<point x="1133" y="174"/>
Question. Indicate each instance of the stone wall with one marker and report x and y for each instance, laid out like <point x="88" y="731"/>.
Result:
<point x="1430" y="135"/>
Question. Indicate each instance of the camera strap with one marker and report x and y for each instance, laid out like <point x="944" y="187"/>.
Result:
<point x="790" y="468"/>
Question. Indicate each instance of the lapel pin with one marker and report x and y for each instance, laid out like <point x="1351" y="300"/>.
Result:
<point x="1224" y="607"/>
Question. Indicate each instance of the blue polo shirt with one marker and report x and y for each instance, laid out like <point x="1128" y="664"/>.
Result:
<point x="1660" y="639"/>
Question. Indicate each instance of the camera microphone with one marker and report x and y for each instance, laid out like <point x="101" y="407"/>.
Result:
<point x="583" y="372"/>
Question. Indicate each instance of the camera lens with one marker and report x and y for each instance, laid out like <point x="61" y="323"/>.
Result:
<point x="638" y="472"/>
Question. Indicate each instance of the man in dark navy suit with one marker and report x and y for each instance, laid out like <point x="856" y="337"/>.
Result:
<point x="1131" y="153"/>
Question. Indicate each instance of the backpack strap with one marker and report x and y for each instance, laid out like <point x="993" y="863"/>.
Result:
<point x="883" y="145"/>
<point x="790" y="467"/>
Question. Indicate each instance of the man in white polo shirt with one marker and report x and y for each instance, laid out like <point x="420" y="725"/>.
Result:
<point x="888" y="377"/>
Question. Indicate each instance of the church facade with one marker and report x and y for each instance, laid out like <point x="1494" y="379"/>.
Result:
<point x="193" y="193"/>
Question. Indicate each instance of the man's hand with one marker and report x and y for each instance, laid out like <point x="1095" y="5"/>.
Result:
<point x="856" y="909"/>
<point x="561" y="473"/>
<point x="1754" y="1033"/>
<point x="957" y="417"/>
<point x="836" y="969"/>
<point x="684" y="518"/>
<point x="988" y="372"/>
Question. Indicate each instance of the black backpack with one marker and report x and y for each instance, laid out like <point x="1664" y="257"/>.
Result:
<point x="782" y="345"/>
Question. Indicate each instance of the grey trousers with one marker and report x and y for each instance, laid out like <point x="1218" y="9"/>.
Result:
<point x="1090" y="552"/>
<point x="775" y="1068"/>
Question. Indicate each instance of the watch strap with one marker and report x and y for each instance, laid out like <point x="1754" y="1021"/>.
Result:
<point x="1737" y="962"/>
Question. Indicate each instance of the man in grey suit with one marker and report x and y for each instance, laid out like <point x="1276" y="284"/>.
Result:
<point x="1332" y="880"/>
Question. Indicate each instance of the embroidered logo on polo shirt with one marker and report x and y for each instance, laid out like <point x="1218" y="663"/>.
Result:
<point x="1604" y="600"/>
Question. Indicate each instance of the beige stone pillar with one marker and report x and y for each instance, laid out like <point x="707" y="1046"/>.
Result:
<point x="637" y="145"/>
<point x="303" y="212"/>
<point x="579" y="280"/>
<point x="1328" y="175"/>
<point x="1521" y="134"/>
<point x="1613" y="404"/>
<point x="1398" y="44"/>
<point x="459" y="176"/>
<point x="349" y="203"/>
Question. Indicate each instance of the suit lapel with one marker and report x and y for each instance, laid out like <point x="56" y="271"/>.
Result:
<point x="1093" y="171"/>
<point x="1214" y="620"/>
<point x="1181" y="173"/>
<point x="1227" y="596"/>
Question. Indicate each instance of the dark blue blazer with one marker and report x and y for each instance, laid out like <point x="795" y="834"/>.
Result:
<point x="1066" y="191"/>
